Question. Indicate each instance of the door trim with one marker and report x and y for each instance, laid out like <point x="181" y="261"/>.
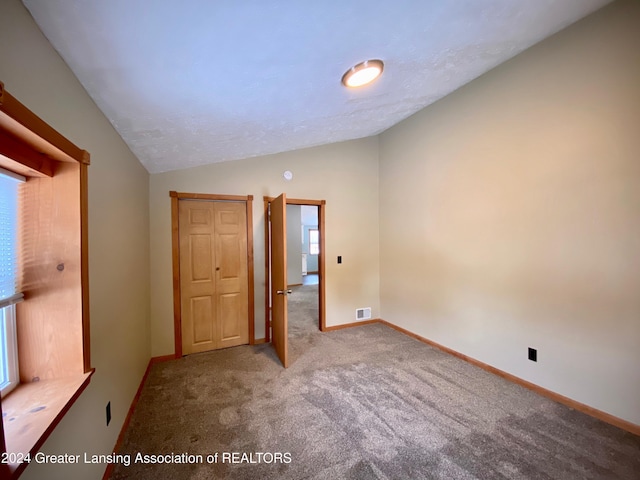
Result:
<point x="175" y="255"/>
<point x="321" y="204"/>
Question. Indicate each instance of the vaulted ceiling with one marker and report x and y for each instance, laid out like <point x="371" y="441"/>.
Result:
<point x="192" y="82"/>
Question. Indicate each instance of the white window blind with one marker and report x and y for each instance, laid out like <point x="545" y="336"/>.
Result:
<point x="9" y="182"/>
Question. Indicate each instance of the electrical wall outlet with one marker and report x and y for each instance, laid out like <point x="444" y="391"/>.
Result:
<point x="108" y="413"/>
<point x="533" y="354"/>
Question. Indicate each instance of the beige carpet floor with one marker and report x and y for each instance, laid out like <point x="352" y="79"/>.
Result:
<point x="359" y="403"/>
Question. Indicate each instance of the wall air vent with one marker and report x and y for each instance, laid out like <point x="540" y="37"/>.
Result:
<point x="363" y="313"/>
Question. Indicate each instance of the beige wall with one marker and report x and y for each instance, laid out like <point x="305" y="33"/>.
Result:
<point x="343" y="174"/>
<point x="507" y="216"/>
<point x="118" y="241"/>
<point x="294" y="245"/>
<point x="510" y="215"/>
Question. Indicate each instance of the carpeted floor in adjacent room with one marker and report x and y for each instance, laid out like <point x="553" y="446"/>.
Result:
<point x="361" y="403"/>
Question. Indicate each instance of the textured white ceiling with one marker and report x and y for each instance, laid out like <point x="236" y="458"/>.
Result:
<point x="191" y="82"/>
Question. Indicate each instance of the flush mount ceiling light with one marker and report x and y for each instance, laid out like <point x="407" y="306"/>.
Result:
<point x="363" y="73"/>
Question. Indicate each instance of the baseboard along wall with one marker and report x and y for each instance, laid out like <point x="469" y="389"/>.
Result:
<point x="134" y="402"/>
<point x="349" y="325"/>
<point x="581" y="407"/>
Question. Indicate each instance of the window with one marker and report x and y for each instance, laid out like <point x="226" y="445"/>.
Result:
<point x="50" y="210"/>
<point x="314" y="242"/>
<point x="9" y="378"/>
<point x="8" y="294"/>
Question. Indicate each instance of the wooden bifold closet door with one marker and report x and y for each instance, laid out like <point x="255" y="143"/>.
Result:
<point x="213" y="274"/>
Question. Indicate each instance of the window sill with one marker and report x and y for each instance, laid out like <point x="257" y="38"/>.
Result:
<point x="32" y="410"/>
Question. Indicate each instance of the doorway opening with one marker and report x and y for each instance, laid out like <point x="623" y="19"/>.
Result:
<point x="303" y="278"/>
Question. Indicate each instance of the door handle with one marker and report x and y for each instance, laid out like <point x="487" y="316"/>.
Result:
<point x="284" y="292"/>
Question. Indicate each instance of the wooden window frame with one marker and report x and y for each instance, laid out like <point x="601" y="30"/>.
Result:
<point x="54" y="341"/>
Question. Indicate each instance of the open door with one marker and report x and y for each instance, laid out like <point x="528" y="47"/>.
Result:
<point x="279" y="292"/>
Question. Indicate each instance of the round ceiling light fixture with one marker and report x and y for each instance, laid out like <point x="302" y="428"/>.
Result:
<point x="363" y="73"/>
